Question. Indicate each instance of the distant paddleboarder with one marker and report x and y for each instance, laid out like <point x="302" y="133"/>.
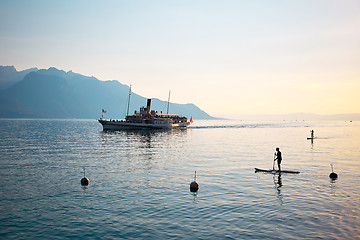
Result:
<point x="312" y="133"/>
<point x="278" y="157"/>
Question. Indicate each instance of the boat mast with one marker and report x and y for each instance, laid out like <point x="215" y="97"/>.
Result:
<point x="127" y="113"/>
<point x="167" y="112"/>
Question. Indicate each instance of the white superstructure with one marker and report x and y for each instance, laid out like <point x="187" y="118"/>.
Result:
<point x="146" y="119"/>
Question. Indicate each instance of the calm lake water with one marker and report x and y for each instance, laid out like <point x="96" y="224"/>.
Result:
<point x="139" y="181"/>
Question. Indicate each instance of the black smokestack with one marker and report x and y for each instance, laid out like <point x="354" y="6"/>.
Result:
<point x="148" y="105"/>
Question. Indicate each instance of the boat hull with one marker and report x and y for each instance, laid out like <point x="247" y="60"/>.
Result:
<point x="275" y="171"/>
<point x="122" y="125"/>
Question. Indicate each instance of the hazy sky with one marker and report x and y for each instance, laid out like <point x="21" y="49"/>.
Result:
<point x="227" y="57"/>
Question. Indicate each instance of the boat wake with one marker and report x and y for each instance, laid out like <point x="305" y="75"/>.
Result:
<point x="237" y="125"/>
<point x="234" y="126"/>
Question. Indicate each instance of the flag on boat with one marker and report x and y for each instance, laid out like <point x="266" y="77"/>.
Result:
<point x="104" y="111"/>
<point x="191" y="120"/>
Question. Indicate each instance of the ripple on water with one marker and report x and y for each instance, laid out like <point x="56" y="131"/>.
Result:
<point x="139" y="181"/>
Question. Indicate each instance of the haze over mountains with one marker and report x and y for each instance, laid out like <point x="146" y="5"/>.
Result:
<point x="54" y="93"/>
<point x="9" y="76"/>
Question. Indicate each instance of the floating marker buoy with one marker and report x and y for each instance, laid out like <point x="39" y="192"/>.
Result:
<point x="194" y="186"/>
<point x="332" y="175"/>
<point x="84" y="181"/>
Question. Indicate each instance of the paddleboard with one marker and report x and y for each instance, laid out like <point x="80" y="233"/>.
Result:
<point x="274" y="171"/>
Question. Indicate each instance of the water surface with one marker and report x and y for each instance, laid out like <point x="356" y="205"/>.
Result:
<point x="139" y="181"/>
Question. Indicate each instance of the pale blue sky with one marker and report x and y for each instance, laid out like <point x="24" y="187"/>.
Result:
<point x="228" y="57"/>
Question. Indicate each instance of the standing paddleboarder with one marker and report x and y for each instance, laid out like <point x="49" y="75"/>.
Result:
<point x="278" y="158"/>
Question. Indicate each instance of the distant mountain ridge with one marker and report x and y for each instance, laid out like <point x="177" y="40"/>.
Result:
<point x="53" y="93"/>
<point x="9" y="76"/>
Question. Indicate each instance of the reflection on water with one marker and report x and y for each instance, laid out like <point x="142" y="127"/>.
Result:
<point x="139" y="181"/>
<point x="143" y="136"/>
<point x="84" y="188"/>
<point x="333" y="187"/>
<point x="278" y="182"/>
<point x="312" y="144"/>
<point x="195" y="195"/>
<point x="277" y="185"/>
<point x="141" y="152"/>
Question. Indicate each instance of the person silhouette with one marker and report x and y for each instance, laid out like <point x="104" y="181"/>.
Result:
<point x="278" y="158"/>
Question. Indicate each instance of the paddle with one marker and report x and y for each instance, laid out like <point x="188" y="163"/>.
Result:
<point x="274" y="163"/>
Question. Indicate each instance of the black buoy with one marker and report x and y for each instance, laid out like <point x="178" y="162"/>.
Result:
<point x="194" y="186"/>
<point x="84" y="181"/>
<point x="332" y="175"/>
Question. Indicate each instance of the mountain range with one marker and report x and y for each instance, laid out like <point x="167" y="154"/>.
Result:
<point x="54" y="93"/>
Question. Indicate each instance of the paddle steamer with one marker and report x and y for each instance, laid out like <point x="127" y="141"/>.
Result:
<point x="146" y="119"/>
